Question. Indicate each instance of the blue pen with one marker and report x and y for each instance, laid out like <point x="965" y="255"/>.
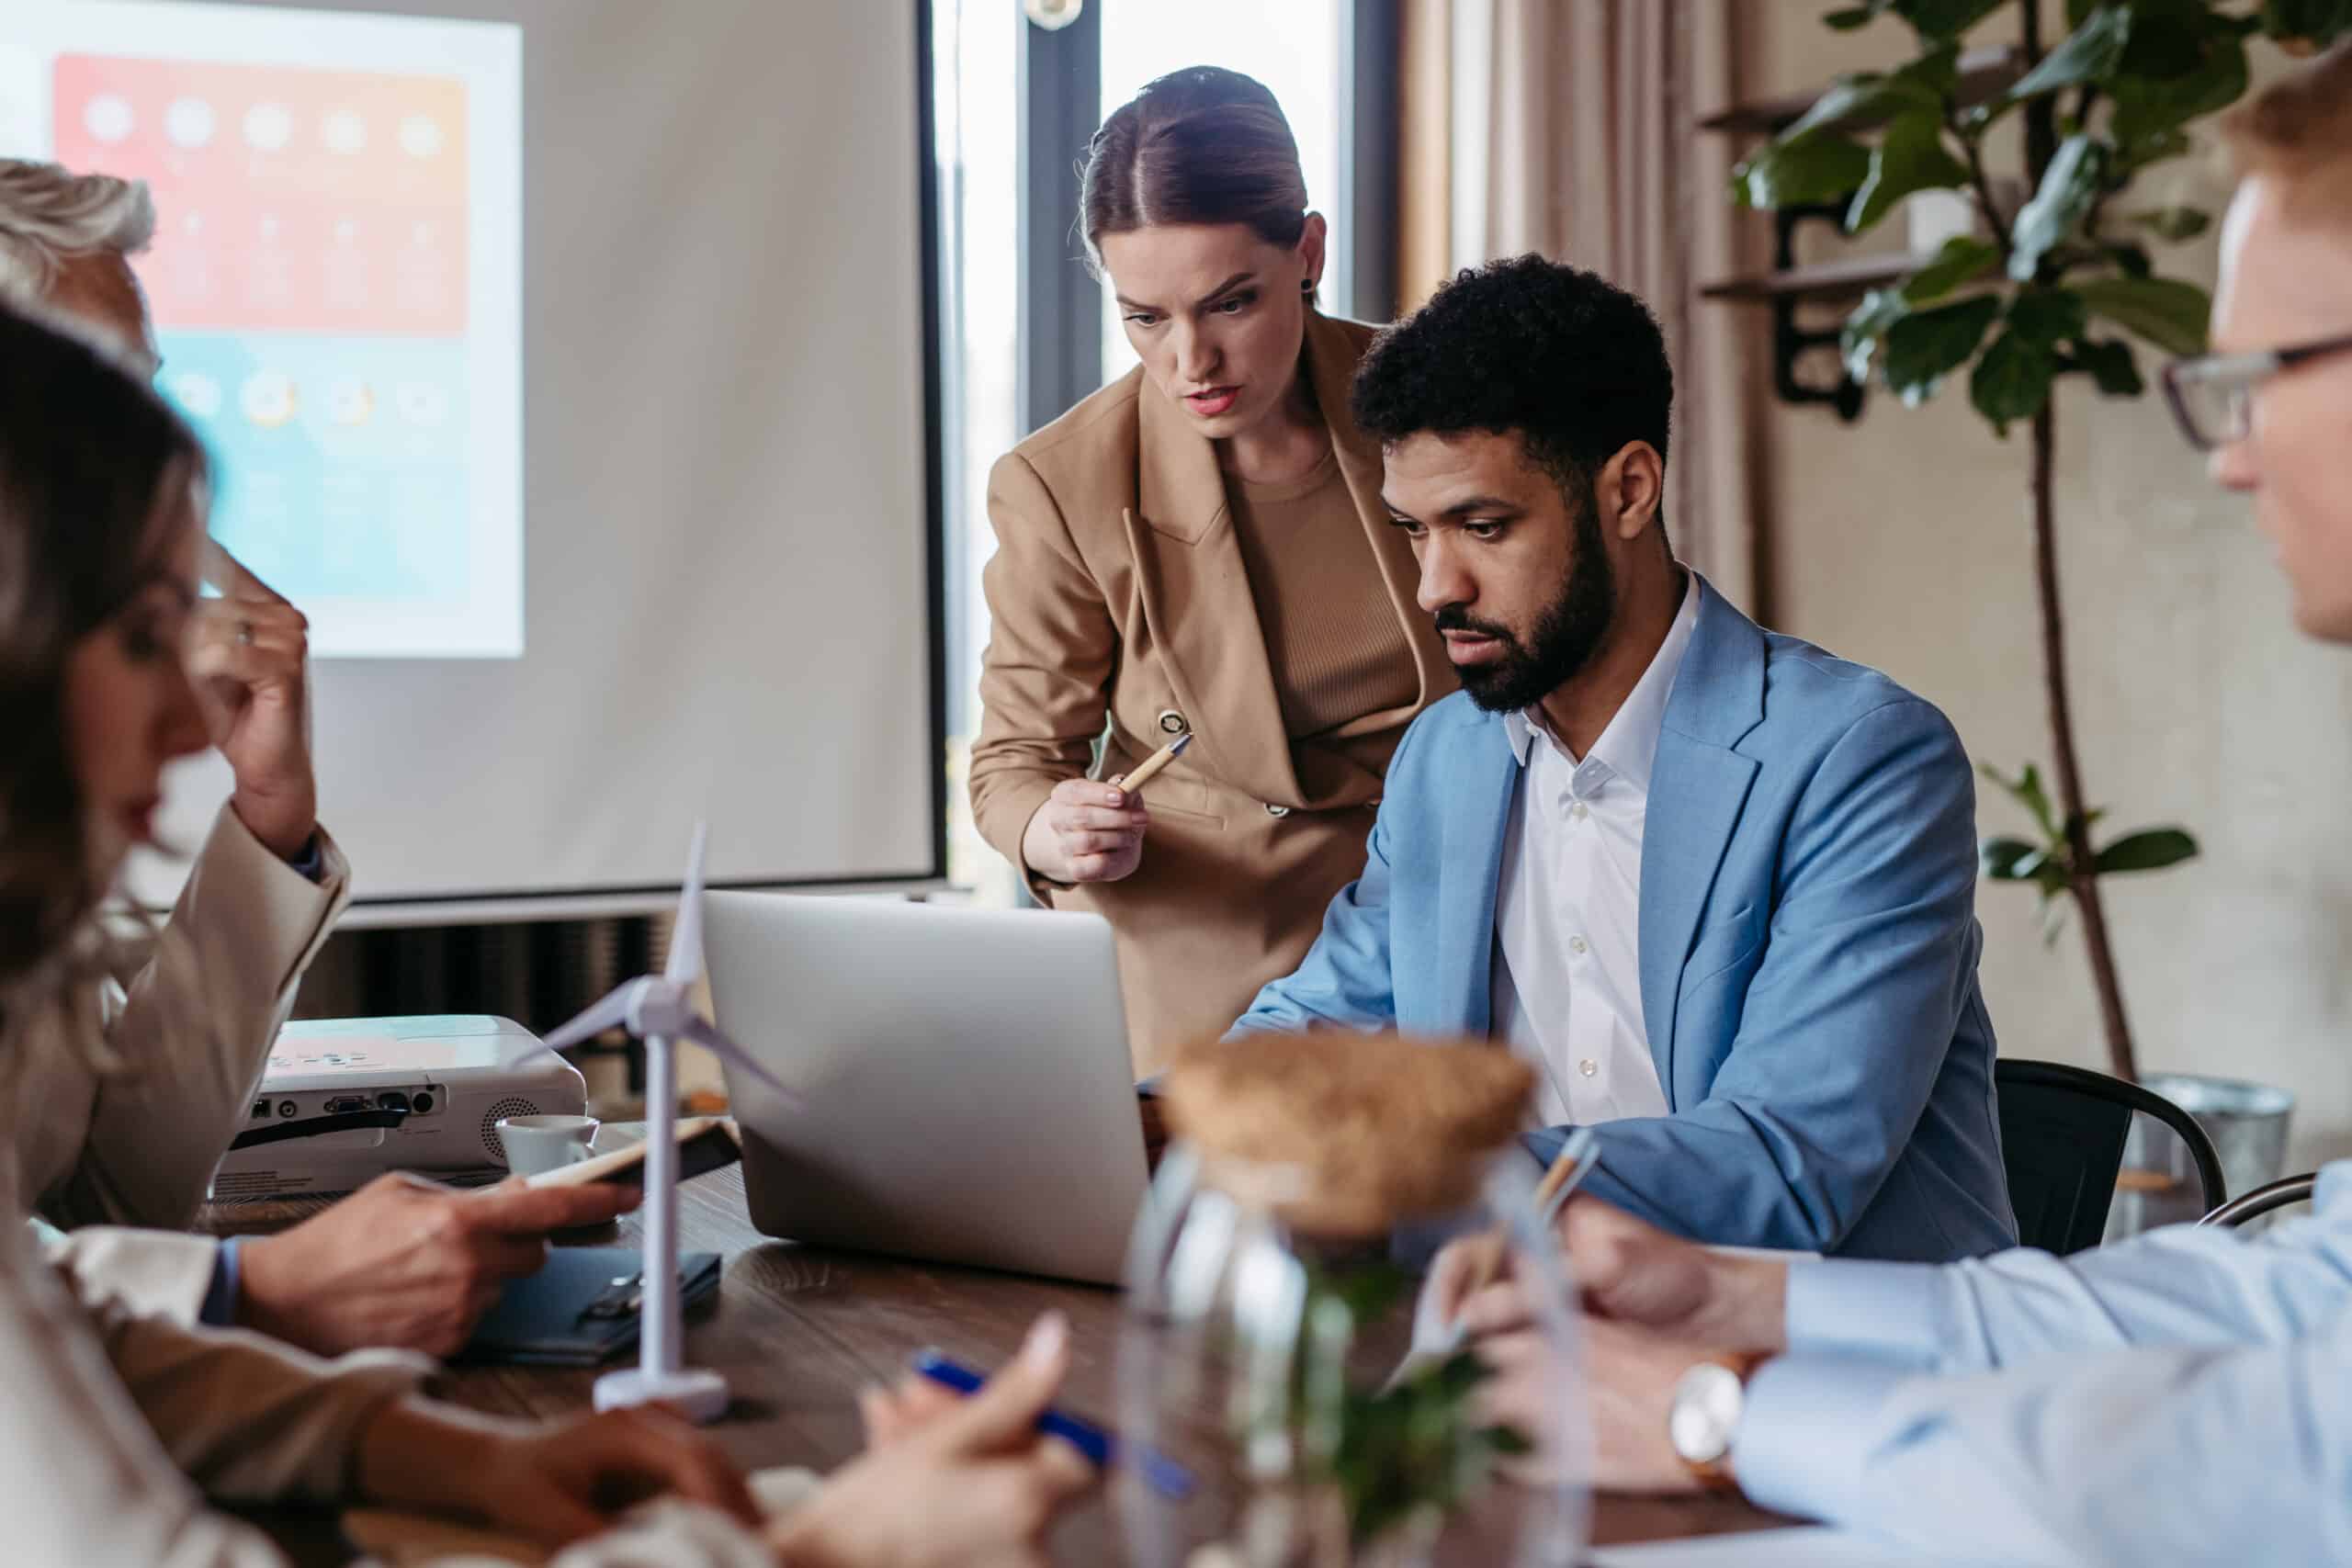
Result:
<point x="1166" y="1476"/>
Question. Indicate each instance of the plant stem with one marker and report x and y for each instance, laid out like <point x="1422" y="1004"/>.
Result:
<point x="1995" y="223"/>
<point x="2083" y="878"/>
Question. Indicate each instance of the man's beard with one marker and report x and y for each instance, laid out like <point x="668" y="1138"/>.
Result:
<point x="1569" y="631"/>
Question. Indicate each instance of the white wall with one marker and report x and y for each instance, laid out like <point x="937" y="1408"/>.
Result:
<point x="1903" y="541"/>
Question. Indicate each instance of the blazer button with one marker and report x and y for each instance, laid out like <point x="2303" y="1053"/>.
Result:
<point x="1273" y="810"/>
<point x="1173" y="723"/>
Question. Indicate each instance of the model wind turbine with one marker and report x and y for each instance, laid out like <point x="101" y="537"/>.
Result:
<point x="659" y="1010"/>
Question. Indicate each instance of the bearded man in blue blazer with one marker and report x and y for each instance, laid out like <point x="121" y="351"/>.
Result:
<point x="1714" y="884"/>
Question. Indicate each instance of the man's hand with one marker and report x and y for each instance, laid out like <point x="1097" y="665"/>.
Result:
<point x="1628" y="1386"/>
<point x="948" y="1480"/>
<point x="552" y="1483"/>
<point x="405" y="1263"/>
<point x="247" y="658"/>
<point x="1085" y="832"/>
<point x="1636" y="1273"/>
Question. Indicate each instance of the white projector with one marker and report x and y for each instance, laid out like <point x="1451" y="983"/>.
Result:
<point x="342" y="1101"/>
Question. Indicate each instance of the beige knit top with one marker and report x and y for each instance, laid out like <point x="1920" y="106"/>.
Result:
<point x="1332" y="636"/>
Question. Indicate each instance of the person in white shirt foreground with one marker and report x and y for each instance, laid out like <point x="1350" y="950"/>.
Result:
<point x="2183" y="1397"/>
<point x="118" y="1427"/>
<point x="122" y="1161"/>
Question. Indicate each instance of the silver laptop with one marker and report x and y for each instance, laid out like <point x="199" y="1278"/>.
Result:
<point x="966" y="1091"/>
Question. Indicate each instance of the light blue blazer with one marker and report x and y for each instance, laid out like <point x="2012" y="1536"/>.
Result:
<point x="1808" y="951"/>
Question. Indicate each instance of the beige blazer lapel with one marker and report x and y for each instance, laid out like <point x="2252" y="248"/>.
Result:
<point x="1196" y="601"/>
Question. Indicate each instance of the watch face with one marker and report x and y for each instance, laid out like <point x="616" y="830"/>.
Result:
<point x="1706" y="1412"/>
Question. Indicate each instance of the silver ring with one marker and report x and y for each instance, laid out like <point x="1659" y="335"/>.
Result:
<point x="244" y="634"/>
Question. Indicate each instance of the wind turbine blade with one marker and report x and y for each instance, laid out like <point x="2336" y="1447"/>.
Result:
<point x="702" y="1031"/>
<point x="608" y="1011"/>
<point x="685" y="937"/>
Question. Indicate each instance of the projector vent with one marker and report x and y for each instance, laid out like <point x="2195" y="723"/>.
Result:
<point x="491" y="1118"/>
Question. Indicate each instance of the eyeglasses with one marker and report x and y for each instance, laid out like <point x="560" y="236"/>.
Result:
<point x="2213" y="397"/>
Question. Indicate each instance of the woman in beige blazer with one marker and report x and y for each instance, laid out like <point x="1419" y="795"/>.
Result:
<point x="1200" y="546"/>
<point x="116" y="1424"/>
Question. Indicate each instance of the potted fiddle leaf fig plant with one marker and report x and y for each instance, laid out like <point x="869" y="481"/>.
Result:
<point x="2064" y="282"/>
<point x="2057" y="285"/>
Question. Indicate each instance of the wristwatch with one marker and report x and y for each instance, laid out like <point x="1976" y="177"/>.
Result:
<point x="1704" y="1415"/>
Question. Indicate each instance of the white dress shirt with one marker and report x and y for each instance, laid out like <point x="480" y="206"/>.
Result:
<point x="1567" y="974"/>
<point x="2184" y="1397"/>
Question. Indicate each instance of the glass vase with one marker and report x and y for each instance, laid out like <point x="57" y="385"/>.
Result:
<point x="1290" y="1398"/>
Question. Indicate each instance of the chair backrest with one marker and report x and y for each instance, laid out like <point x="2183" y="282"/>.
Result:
<point x="2263" y="1200"/>
<point x="2063" y="1131"/>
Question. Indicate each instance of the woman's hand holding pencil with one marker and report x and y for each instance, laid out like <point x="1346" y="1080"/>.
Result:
<point x="1091" y="831"/>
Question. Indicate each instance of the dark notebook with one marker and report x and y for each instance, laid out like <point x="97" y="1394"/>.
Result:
<point x="582" y="1308"/>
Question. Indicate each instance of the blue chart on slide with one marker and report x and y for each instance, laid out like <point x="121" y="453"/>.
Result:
<point x="336" y="476"/>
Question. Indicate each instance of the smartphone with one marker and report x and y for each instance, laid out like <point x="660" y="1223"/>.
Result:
<point x="705" y="1144"/>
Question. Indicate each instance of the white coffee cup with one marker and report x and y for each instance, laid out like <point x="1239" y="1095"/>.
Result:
<point x="536" y="1143"/>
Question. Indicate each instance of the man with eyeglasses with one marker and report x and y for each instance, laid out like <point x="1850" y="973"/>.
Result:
<point x="2183" y="1397"/>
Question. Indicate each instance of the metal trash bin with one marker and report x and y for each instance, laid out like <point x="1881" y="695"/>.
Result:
<point x="2158" y="1186"/>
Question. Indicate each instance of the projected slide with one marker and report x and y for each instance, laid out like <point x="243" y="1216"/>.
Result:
<point x="335" y="283"/>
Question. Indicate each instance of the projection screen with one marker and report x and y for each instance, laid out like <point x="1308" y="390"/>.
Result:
<point x="569" y="363"/>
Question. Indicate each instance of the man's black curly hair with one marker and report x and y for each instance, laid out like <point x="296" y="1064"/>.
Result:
<point x="1561" y="358"/>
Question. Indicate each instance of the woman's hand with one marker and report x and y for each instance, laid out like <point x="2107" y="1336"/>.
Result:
<point x="554" y="1483"/>
<point x="948" y="1480"/>
<point x="1086" y="832"/>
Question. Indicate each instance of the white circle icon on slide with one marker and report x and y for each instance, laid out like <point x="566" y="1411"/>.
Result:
<point x="421" y="402"/>
<point x="109" y="118"/>
<point x="268" y="398"/>
<point x="420" y="136"/>
<point x="344" y="132"/>
<point x="198" y="393"/>
<point x="349" y="401"/>
<point x="189" y="123"/>
<point x="269" y="127"/>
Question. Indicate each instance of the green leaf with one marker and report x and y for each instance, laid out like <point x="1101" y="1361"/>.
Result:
<point x="2150" y="151"/>
<point x="2152" y="850"/>
<point x="1818" y="167"/>
<point x="2132" y="260"/>
<point x="2148" y="104"/>
<point x="2173" y="224"/>
<point x="2090" y="53"/>
<point x="2054" y="918"/>
<point x="2007" y="860"/>
<point x="2113" y="366"/>
<point x="1854" y="97"/>
<point x="2027" y="791"/>
<point x="1859" y="337"/>
<point x="2048" y="317"/>
<point x="1508" y="1440"/>
<point x="2068" y="187"/>
<point x="1938" y="20"/>
<point x="2167" y="313"/>
<point x="2319" y="22"/>
<point x="1853" y="17"/>
<point x="1962" y="259"/>
<point x="1910" y="157"/>
<point x="1925" y="346"/>
<point x="2012" y="381"/>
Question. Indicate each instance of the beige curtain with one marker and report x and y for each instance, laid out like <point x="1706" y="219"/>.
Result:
<point x="1569" y="128"/>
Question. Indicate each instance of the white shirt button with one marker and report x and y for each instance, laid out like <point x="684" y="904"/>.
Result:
<point x="1580" y="811"/>
<point x="1587" y="1067"/>
<point x="1576" y="945"/>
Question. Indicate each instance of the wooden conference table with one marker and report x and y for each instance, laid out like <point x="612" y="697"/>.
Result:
<point x="798" y="1330"/>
